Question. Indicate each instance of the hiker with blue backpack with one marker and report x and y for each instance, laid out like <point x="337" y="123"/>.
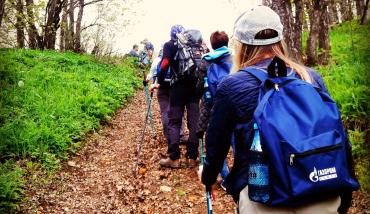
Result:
<point x="182" y="54"/>
<point x="292" y="154"/>
<point x="219" y="63"/>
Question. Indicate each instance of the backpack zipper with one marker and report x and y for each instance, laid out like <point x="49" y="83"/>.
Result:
<point x="313" y="151"/>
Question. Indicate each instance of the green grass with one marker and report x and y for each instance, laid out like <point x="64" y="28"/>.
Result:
<point x="49" y="101"/>
<point x="348" y="80"/>
<point x="10" y="186"/>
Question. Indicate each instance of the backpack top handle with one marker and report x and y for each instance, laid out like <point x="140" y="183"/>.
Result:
<point x="277" y="68"/>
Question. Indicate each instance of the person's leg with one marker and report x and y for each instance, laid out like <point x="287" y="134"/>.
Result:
<point x="164" y="103"/>
<point x="192" y="109"/>
<point x="175" y="115"/>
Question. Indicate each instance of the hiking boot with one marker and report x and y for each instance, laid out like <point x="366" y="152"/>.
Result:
<point x="191" y="163"/>
<point x="169" y="163"/>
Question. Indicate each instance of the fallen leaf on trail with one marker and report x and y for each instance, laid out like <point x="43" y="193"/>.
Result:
<point x="193" y="198"/>
<point x="181" y="192"/>
<point x="142" y="171"/>
<point x="72" y="163"/>
<point x="165" y="188"/>
<point x="119" y="188"/>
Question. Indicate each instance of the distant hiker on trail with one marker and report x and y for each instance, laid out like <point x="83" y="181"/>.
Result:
<point x="145" y="55"/>
<point x="182" y="94"/>
<point x="135" y="51"/>
<point x="302" y="161"/>
<point x="220" y="63"/>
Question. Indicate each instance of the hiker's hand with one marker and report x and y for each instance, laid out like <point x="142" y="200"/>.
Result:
<point x="153" y="87"/>
<point x="200" y="171"/>
<point x="145" y="83"/>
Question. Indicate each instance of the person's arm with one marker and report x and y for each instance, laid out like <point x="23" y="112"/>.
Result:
<point x="212" y="79"/>
<point x="163" y="70"/>
<point x="165" y="63"/>
<point x="219" y="132"/>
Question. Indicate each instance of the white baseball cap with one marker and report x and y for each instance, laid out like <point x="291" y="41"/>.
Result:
<point x="255" y="20"/>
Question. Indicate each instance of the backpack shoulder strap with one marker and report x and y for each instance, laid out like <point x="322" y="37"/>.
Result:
<point x="258" y="73"/>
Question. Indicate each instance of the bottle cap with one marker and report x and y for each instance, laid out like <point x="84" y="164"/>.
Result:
<point x="255" y="126"/>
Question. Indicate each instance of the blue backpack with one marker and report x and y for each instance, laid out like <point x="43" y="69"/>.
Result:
<point x="303" y="140"/>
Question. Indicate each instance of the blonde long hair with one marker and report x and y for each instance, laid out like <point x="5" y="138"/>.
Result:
<point x="248" y="55"/>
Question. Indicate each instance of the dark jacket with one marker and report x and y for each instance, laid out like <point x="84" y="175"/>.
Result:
<point x="234" y="105"/>
<point x="182" y="91"/>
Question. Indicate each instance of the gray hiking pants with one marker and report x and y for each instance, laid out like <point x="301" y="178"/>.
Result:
<point x="163" y="96"/>
<point x="176" y="114"/>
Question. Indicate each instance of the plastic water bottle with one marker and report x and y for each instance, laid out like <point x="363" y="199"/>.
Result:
<point x="207" y="93"/>
<point x="258" y="175"/>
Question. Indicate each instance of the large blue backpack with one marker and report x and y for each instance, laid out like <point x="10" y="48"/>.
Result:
<point x="303" y="140"/>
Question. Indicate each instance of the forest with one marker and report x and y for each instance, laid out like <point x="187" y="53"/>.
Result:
<point x="69" y="101"/>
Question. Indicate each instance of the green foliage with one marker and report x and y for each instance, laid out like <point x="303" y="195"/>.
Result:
<point x="347" y="78"/>
<point x="11" y="183"/>
<point x="50" y="100"/>
<point x="348" y="81"/>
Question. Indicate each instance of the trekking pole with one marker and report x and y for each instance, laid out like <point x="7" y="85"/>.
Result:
<point x="139" y="145"/>
<point x="148" y="100"/>
<point x="208" y="189"/>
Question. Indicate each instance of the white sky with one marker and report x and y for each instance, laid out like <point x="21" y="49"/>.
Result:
<point x="153" y="19"/>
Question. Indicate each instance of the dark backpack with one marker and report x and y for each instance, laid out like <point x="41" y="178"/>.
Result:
<point x="303" y="140"/>
<point x="189" y="54"/>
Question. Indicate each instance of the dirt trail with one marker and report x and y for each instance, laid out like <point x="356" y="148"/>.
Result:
<point x="99" y="179"/>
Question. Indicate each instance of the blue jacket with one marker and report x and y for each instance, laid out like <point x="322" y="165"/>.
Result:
<point x="220" y="65"/>
<point x="234" y="105"/>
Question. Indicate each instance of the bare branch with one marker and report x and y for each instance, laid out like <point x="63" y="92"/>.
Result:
<point x="92" y="2"/>
<point x="91" y="25"/>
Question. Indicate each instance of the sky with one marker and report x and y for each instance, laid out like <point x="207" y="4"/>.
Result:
<point x="152" y="19"/>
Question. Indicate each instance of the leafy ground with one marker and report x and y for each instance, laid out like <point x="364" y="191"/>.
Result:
<point x="100" y="178"/>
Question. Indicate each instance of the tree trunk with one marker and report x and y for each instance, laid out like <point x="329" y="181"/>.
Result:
<point x="314" y="11"/>
<point x="34" y="39"/>
<point x="324" y="40"/>
<point x="53" y="9"/>
<point x="63" y="29"/>
<point x="360" y="4"/>
<point x="283" y="8"/>
<point x="71" y="25"/>
<point x="365" y="15"/>
<point x="345" y="10"/>
<point x="77" y="45"/>
<point x="333" y="11"/>
<point x="298" y="25"/>
<point x="20" y="25"/>
<point x="2" y="6"/>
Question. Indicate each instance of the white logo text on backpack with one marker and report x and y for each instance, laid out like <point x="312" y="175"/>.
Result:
<point x="323" y="174"/>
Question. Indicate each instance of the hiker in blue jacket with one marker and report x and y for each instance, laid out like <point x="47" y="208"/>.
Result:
<point x="258" y="33"/>
<point x="219" y="66"/>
